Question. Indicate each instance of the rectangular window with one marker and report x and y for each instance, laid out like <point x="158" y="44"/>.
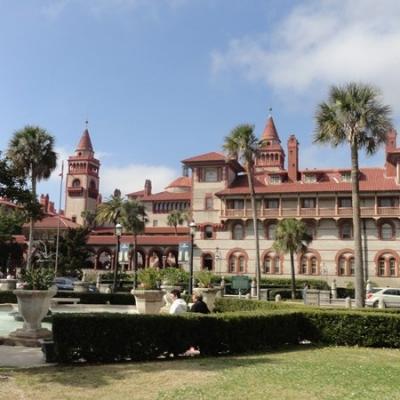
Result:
<point x="210" y="174"/>
<point x="236" y="204"/>
<point x="209" y="203"/>
<point x="272" y="203"/>
<point x="308" y="203"/>
<point x="345" y="202"/>
<point x="310" y="178"/>
<point x="387" y="202"/>
<point x="274" y="179"/>
<point x="345" y="176"/>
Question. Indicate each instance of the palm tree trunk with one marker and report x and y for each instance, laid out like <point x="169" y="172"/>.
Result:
<point x="134" y="262"/>
<point x="255" y="227"/>
<point x="358" y="260"/>
<point x="293" y="276"/>
<point x="31" y="227"/>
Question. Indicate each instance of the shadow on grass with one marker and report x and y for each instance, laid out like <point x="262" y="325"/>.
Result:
<point x="98" y="375"/>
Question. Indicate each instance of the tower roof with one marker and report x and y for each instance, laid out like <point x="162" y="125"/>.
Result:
<point x="270" y="132"/>
<point x="85" y="144"/>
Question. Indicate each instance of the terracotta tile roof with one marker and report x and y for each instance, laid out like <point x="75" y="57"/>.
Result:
<point x="207" y="157"/>
<point x="20" y="239"/>
<point x="139" y="193"/>
<point x="85" y="143"/>
<point x="181" y="182"/>
<point x="8" y="203"/>
<point x="149" y="230"/>
<point x="50" y="221"/>
<point x="165" y="196"/>
<point x="371" y="179"/>
<point x="142" y="240"/>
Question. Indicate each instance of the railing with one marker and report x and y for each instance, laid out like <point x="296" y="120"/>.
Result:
<point x="311" y="212"/>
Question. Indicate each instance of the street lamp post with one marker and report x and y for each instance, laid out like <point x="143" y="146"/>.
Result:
<point x="218" y="260"/>
<point x="192" y="227"/>
<point x="118" y="233"/>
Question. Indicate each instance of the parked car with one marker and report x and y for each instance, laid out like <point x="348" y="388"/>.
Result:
<point x="390" y="297"/>
<point x="64" y="283"/>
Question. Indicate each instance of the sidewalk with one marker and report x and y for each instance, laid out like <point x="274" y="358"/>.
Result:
<point x="21" y="357"/>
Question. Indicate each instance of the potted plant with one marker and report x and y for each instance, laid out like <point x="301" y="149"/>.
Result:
<point x="148" y="296"/>
<point x="205" y="286"/>
<point x="173" y="278"/>
<point x="33" y="304"/>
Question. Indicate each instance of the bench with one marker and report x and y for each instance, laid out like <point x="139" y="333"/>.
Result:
<point x="64" y="300"/>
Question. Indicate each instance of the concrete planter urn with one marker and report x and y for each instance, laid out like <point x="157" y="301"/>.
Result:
<point x="209" y="295"/>
<point x="148" y="301"/>
<point x="8" y="284"/>
<point x="33" y="306"/>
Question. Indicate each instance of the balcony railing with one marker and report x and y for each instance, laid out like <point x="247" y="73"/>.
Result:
<point x="311" y="212"/>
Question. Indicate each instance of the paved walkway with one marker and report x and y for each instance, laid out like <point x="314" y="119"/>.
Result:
<point x="21" y="357"/>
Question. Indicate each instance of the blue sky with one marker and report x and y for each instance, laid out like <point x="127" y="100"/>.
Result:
<point x="163" y="80"/>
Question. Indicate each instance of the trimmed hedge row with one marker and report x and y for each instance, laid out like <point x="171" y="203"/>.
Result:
<point x="119" y="337"/>
<point x="86" y="298"/>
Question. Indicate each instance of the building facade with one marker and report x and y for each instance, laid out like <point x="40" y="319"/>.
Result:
<point x="214" y="191"/>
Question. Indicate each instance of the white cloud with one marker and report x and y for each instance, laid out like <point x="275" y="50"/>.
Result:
<point x="131" y="178"/>
<point x="319" y="44"/>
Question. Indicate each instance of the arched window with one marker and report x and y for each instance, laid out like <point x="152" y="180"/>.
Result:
<point x="208" y="232"/>
<point x="386" y="231"/>
<point x="237" y="263"/>
<point x="76" y="183"/>
<point x="345" y="263"/>
<point x="238" y="231"/>
<point x="272" y="263"/>
<point x="208" y="262"/>
<point x="309" y="264"/>
<point x="387" y="265"/>
<point x="346" y="230"/>
<point x="92" y="185"/>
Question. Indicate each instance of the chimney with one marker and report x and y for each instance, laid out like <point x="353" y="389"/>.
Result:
<point x="46" y="203"/>
<point x="147" y="187"/>
<point x="391" y="141"/>
<point x="391" y="162"/>
<point x="293" y="159"/>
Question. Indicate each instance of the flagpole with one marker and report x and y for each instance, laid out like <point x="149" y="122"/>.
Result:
<point x="59" y="217"/>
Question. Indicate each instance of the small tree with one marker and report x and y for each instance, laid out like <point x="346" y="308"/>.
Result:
<point x="291" y="237"/>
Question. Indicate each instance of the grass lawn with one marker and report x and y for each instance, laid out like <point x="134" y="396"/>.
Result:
<point x="297" y="373"/>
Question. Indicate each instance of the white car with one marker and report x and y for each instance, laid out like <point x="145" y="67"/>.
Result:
<point x="390" y="297"/>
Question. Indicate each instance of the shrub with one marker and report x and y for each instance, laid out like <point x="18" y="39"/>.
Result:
<point x="38" y="278"/>
<point x="204" y="279"/>
<point x="149" y="278"/>
<point x="174" y="276"/>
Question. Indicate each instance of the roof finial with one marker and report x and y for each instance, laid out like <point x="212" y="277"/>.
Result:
<point x="270" y="111"/>
<point x="86" y="123"/>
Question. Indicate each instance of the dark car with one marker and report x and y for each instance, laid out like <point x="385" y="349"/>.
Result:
<point x="63" y="283"/>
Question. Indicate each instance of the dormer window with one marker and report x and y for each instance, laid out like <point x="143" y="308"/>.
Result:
<point x="310" y="178"/>
<point x="275" y="179"/>
<point x="345" y="176"/>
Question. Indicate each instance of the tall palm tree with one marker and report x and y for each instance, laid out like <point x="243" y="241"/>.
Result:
<point x="354" y="115"/>
<point x="243" y="145"/>
<point x="175" y="218"/>
<point x="134" y="219"/>
<point x="291" y="237"/>
<point x="110" y="211"/>
<point x="31" y="150"/>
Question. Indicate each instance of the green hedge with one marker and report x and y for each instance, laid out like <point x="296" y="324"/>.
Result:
<point x="119" y="337"/>
<point x="85" y="298"/>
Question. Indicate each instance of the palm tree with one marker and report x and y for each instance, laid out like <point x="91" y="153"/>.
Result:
<point x="354" y="115"/>
<point x="31" y="150"/>
<point x="110" y="211"/>
<point x="175" y="218"/>
<point x="291" y="237"/>
<point x="89" y="219"/>
<point x="134" y="219"/>
<point x="242" y="144"/>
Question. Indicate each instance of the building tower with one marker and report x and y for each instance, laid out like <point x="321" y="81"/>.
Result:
<point x="271" y="156"/>
<point x="82" y="183"/>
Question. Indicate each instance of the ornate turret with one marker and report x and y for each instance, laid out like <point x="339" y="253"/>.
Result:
<point x="272" y="156"/>
<point x="82" y="183"/>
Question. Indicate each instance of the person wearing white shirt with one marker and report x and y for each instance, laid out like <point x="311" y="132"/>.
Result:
<point x="178" y="305"/>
